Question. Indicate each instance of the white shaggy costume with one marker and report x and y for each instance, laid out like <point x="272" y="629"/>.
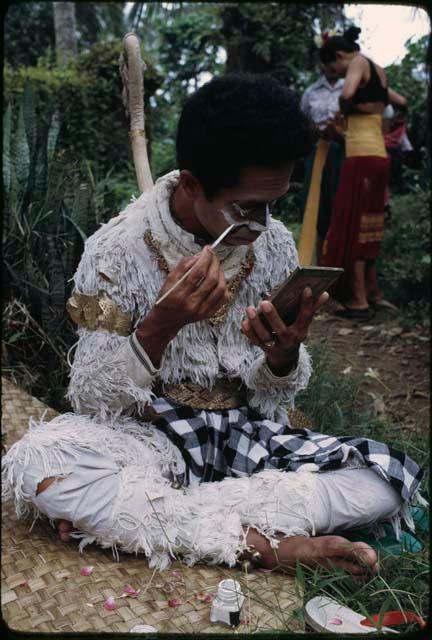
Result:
<point x="118" y="472"/>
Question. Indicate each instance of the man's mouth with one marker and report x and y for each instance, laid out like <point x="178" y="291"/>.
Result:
<point x="241" y="239"/>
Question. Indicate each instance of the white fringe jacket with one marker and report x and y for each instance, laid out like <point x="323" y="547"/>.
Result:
<point x="111" y="373"/>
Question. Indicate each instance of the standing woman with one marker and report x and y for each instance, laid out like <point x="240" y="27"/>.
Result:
<point x="354" y="237"/>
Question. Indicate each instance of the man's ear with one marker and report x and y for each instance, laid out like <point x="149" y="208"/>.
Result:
<point x="191" y="185"/>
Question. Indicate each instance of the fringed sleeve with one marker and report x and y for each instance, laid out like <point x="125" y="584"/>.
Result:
<point x="108" y="376"/>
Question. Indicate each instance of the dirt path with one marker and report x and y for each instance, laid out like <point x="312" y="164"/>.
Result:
<point x="392" y="361"/>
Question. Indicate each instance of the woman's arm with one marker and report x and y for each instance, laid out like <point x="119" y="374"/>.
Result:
<point x="396" y="98"/>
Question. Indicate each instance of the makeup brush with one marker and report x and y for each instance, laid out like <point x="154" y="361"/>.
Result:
<point x="213" y="246"/>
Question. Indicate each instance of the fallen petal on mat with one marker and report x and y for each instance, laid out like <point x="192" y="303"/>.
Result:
<point x="174" y="602"/>
<point x="203" y="597"/>
<point x="110" y="603"/>
<point x="86" y="571"/>
<point x="177" y="574"/>
<point x="128" y="590"/>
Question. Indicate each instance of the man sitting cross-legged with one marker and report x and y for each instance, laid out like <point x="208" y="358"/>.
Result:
<point x="180" y="444"/>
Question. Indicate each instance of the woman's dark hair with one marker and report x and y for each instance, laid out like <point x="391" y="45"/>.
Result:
<point x="347" y="43"/>
<point x="239" y="120"/>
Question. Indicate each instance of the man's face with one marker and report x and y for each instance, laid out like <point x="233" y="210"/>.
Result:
<point x="338" y="68"/>
<point x="258" y="187"/>
<point x="330" y="74"/>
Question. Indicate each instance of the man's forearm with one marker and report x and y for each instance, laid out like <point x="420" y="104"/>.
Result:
<point x="154" y="336"/>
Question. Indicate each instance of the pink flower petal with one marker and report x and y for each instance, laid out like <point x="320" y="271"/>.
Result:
<point x="128" y="590"/>
<point x="336" y="621"/>
<point x="23" y="584"/>
<point x="203" y="597"/>
<point x="174" y="602"/>
<point x="110" y="603"/>
<point x="86" y="571"/>
<point x="177" y="574"/>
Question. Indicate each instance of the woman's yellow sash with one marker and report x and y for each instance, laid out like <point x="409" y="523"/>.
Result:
<point x="364" y="136"/>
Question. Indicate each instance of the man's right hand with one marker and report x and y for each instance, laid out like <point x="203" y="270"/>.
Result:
<point x="198" y="297"/>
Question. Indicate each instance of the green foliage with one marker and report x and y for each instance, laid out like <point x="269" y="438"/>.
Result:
<point x="30" y="35"/>
<point x="98" y="22"/>
<point x="276" y="38"/>
<point x="188" y="42"/>
<point x="331" y="401"/>
<point x="88" y="95"/>
<point x="50" y="206"/>
<point x="29" y="32"/>
<point x="404" y="265"/>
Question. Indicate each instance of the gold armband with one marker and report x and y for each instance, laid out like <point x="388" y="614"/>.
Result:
<point x="99" y="313"/>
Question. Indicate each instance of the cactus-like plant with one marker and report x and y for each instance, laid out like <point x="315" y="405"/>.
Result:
<point x="49" y="210"/>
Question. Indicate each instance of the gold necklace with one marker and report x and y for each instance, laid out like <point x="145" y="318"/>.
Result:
<point x="233" y="284"/>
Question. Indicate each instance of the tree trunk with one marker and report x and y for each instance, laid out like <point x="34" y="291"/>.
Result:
<point x="65" y="32"/>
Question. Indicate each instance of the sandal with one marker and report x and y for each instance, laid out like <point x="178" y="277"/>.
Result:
<point x="383" y="304"/>
<point x="355" y="314"/>
<point x="325" y="614"/>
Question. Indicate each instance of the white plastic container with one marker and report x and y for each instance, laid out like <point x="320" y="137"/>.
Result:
<point x="227" y="604"/>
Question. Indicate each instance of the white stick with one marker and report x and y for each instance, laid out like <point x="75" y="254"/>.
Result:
<point x="185" y="275"/>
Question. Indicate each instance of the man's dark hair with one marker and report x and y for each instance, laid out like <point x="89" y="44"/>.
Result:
<point x="346" y="43"/>
<point x="239" y="120"/>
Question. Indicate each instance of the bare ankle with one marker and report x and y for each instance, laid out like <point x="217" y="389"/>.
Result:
<point x="268" y="555"/>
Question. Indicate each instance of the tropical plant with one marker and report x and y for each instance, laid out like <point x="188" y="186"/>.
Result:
<point x="30" y="35"/>
<point x="50" y="207"/>
<point x="404" y="265"/>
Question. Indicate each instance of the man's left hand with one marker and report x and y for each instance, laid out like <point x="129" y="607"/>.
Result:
<point x="281" y="345"/>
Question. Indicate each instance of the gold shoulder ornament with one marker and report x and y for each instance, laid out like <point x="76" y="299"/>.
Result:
<point x="99" y="313"/>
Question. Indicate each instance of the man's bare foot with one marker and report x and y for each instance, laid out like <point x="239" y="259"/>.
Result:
<point x="328" y="551"/>
<point x="65" y="529"/>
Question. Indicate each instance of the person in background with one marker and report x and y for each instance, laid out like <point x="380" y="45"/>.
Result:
<point x="354" y="237"/>
<point x="320" y="102"/>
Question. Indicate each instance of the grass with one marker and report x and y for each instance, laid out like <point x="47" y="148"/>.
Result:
<point x="331" y="401"/>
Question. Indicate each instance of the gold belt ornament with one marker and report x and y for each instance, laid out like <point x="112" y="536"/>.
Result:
<point x="226" y="394"/>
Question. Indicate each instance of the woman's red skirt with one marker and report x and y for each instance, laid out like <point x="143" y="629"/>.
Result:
<point x="357" y="222"/>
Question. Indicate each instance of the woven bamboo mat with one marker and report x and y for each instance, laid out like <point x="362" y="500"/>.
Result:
<point x="43" y="590"/>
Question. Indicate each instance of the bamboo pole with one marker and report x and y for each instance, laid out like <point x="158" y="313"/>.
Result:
<point x="131" y="71"/>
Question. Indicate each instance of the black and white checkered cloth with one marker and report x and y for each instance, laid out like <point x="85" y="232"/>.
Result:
<point x="239" y="442"/>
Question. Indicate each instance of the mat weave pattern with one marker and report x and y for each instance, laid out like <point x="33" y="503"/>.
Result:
<point x="43" y="590"/>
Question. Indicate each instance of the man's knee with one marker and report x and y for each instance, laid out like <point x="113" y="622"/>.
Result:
<point x="42" y="486"/>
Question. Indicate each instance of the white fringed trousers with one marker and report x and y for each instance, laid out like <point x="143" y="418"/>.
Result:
<point x="114" y="486"/>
